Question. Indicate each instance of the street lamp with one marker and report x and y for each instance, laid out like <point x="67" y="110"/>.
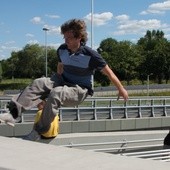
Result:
<point x="148" y="83"/>
<point x="46" y="62"/>
<point x="92" y="77"/>
<point x="92" y="23"/>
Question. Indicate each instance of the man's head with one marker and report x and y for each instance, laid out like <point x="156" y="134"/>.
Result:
<point x="78" y="29"/>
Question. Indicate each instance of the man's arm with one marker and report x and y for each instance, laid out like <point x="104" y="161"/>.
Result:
<point x="113" y="78"/>
<point x="59" y="68"/>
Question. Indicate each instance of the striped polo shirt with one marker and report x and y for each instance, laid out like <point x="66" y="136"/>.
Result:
<point x="80" y="66"/>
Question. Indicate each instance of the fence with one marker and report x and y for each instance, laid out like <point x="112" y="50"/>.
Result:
<point x="147" y="149"/>
<point x="107" y="108"/>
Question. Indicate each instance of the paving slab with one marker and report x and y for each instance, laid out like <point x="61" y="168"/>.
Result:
<point x="19" y="154"/>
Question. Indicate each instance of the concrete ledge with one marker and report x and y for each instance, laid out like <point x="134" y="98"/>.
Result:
<point x="6" y="130"/>
<point x="93" y="126"/>
<point x="99" y="137"/>
<point x="25" y="155"/>
<point x="114" y="125"/>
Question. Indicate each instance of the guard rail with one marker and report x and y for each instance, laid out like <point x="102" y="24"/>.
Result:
<point x="107" y="108"/>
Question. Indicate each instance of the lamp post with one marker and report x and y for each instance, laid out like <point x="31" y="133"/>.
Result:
<point x="148" y="83"/>
<point x="92" y="23"/>
<point x="46" y="62"/>
<point x="92" y="77"/>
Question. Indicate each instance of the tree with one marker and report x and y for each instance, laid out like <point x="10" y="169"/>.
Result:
<point x="153" y="49"/>
<point x="151" y="55"/>
<point x="107" y="49"/>
<point x="127" y="61"/>
<point x="30" y="61"/>
<point x="52" y="60"/>
<point x="0" y="72"/>
<point x="10" y="66"/>
<point x="167" y="62"/>
<point x="122" y="57"/>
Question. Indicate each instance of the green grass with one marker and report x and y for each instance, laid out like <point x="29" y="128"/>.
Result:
<point x="167" y="93"/>
<point x="14" y="84"/>
<point x="19" y="84"/>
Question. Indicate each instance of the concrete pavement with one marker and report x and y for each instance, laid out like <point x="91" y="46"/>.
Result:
<point x="18" y="154"/>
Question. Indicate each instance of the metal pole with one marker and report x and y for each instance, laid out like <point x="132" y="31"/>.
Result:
<point x="91" y="23"/>
<point x="92" y="37"/>
<point x="46" y="57"/>
<point x="148" y="83"/>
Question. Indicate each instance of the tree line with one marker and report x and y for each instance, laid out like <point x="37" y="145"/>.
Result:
<point x="150" y="56"/>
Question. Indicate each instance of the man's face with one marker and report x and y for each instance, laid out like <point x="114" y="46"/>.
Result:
<point x="71" y="41"/>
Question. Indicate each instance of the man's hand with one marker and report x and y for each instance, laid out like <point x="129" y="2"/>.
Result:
<point x="123" y="93"/>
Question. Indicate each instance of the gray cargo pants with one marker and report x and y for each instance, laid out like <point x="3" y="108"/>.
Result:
<point x="57" y="92"/>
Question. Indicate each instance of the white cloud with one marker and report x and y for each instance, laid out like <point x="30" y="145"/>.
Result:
<point x="5" y="48"/>
<point x="120" y="32"/>
<point x="54" y="45"/>
<point x="167" y="36"/>
<point x="33" y="42"/>
<point x="29" y="35"/>
<point x="37" y="20"/>
<point x="122" y="18"/>
<point x="127" y="26"/>
<point x="52" y="16"/>
<point x="53" y="30"/>
<point x="141" y="24"/>
<point x="99" y="19"/>
<point x="2" y="56"/>
<point x="157" y="8"/>
<point x="10" y="42"/>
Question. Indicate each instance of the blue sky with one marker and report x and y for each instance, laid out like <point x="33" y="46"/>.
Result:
<point x="21" y="21"/>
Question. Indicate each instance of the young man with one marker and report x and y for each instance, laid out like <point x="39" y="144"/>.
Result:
<point x="70" y="85"/>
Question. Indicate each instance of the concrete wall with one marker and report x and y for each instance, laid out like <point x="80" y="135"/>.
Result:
<point x="93" y="126"/>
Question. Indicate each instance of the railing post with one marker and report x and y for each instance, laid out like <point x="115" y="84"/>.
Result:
<point x="95" y="114"/>
<point x="152" y="108"/>
<point x="164" y="109"/>
<point x="78" y="114"/>
<point x="125" y="110"/>
<point x="139" y="109"/>
<point x="111" y="113"/>
<point x="60" y="115"/>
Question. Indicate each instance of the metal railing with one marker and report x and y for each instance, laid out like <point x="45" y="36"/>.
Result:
<point x="110" y="108"/>
<point x="146" y="149"/>
<point x="107" y="108"/>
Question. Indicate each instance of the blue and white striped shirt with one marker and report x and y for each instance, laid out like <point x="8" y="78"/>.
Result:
<point x="80" y="66"/>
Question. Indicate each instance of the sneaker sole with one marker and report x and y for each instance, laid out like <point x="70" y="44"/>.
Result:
<point x="8" y="123"/>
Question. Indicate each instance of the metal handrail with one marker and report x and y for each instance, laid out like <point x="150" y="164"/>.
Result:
<point x="112" y="107"/>
<point x="132" y="148"/>
<point x="122" y="142"/>
<point x="95" y="108"/>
